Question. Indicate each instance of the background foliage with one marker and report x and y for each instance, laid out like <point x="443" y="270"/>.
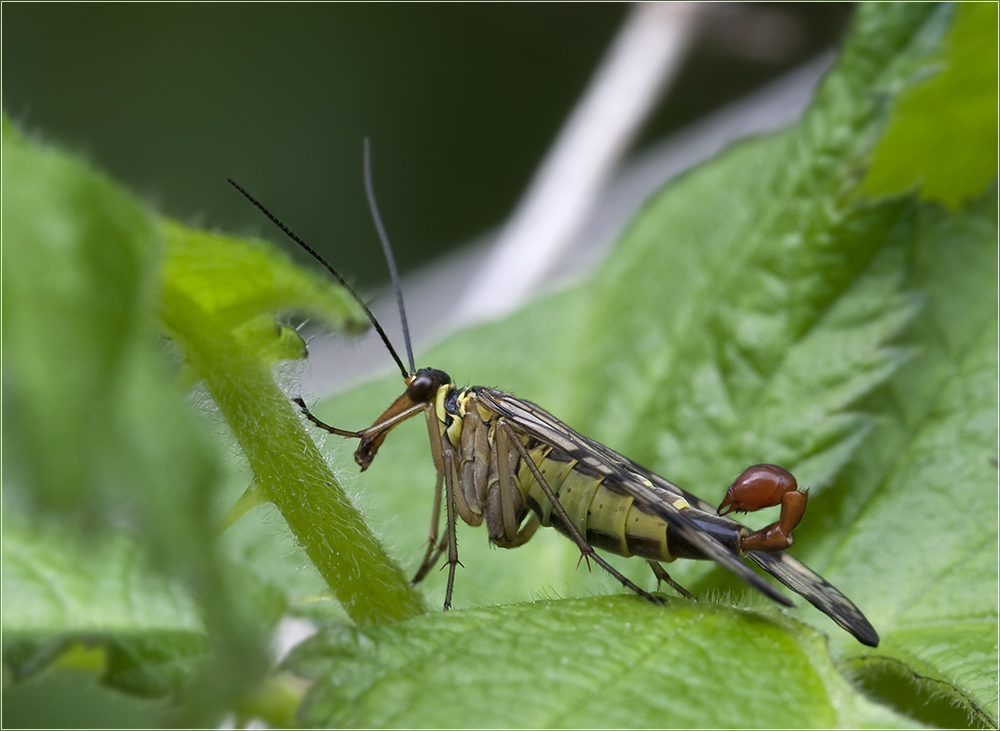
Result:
<point x="825" y="298"/>
<point x="463" y="99"/>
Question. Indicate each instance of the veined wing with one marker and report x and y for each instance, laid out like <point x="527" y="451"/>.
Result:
<point x="539" y="423"/>
<point x="650" y="490"/>
<point x="817" y="591"/>
<point x="654" y="496"/>
<point x="803" y="581"/>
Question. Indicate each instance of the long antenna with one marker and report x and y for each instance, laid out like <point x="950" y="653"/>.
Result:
<point x="357" y="298"/>
<point x="370" y="191"/>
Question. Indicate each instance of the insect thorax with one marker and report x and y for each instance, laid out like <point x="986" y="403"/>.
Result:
<point x="451" y="405"/>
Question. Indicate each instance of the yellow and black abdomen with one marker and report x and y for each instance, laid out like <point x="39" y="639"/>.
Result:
<point x="607" y="517"/>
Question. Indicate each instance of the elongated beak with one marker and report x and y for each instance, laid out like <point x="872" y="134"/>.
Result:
<point x="371" y="438"/>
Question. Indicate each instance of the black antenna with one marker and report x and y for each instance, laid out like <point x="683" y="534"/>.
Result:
<point x="291" y="234"/>
<point x="370" y="191"/>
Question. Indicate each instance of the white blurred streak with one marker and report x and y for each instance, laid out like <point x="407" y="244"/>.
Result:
<point x="639" y="66"/>
<point x="291" y="631"/>
<point x="335" y="363"/>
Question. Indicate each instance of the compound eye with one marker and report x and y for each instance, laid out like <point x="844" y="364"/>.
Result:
<point x="421" y="388"/>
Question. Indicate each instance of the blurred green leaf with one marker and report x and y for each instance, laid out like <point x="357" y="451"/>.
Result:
<point x="63" y="592"/>
<point x="62" y="585"/>
<point x="77" y="279"/>
<point x="236" y="281"/>
<point x="101" y="447"/>
<point x="107" y="466"/>
<point x="942" y="137"/>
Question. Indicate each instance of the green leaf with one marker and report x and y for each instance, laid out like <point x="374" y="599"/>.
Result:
<point x="60" y="592"/>
<point x="64" y="585"/>
<point x="213" y="287"/>
<point x="774" y="295"/>
<point x="942" y="137"/>
<point x="77" y="277"/>
<point x="931" y="466"/>
<point x="235" y="282"/>
<point x="106" y="458"/>
<point x="101" y="446"/>
<point x="613" y="662"/>
<point x="758" y="310"/>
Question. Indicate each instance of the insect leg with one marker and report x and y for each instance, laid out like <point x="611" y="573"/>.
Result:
<point x="434" y="547"/>
<point x="585" y="548"/>
<point x="451" y="486"/>
<point x="504" y="462"/>
<point x="445" y="462"/>
<point x="663" y="577"/>
<point x="512" y="537"/>
<point x="522" y="536"/>
<point x="322" y="424"/>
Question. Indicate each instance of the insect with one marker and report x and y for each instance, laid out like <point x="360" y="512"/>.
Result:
<point x="508" y="463"/>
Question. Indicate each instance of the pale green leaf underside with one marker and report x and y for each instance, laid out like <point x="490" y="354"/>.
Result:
<point x="54" y="584"/>
<point x="62" y="593"/>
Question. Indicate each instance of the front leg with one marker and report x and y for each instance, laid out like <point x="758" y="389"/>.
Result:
<point x="522" y="536"/>
<point x="451" y="487"/>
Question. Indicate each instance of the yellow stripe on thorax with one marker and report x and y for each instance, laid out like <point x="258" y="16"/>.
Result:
<point x="454" y="429"/>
